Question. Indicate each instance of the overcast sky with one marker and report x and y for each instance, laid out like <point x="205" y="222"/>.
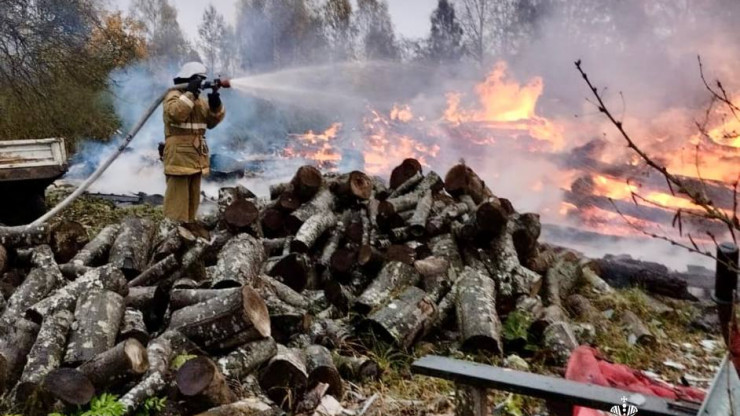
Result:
<point x="411" y="17"/>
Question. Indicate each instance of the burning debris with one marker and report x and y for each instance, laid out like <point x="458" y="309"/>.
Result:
<point x="275" y="302"/>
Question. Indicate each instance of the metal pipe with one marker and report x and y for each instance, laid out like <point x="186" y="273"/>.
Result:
<point x="725" y="284"/>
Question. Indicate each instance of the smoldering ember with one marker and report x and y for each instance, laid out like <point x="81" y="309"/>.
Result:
<point x="338" y="207"/>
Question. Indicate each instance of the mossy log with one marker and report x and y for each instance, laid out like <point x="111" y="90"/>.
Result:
<point x="321" y="369"/>
<point x="131" y="248"/>
<point x="239" y="262"/>
<point x="16" y="342"/>
<point x="126" y="360"/>
<point x="477" y="319"/>
<point x="246" y="359"/>
<point x="404" y="319"/>
<point x="284" y="378"/>
<point x="98" y="317"/>
<point x="393" y="276"/>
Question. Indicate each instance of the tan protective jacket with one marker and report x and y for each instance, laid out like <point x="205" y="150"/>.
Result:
<point x="185" y="122"/>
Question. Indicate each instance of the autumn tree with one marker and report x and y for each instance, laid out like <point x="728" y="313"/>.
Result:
<point x="340" y="33"/>
<point x="377" y="34"/>
<point x="445" y="40"/>
<point x="212" y="32"/>
<point x="165" y="39"/>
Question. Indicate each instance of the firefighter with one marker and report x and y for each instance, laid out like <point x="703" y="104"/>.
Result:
<point x="186" y="117"/>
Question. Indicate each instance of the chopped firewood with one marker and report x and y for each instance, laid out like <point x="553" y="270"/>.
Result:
<point x="321" y="369"/>
<point x="98" y="317"/>
<point x="247" y="359"/>
<point x="306" y="182"/>
<point x="637" y="331"/>
<point x="311" y="230"/>
<point x="239" y="262"/>
<point x="98" y="247"/>
<point x="130" y="250"/>
<point x="478" y="322"/>
<point x="156" y="272"/>
<point x="67" y="238"/>
<point x="47" y="352"/>
<point x="357" y="368"/>
<point x="404" y="319"/>
<point x="133" y="326"/>
<point x="405" y="171"/>
<point x="124" y="361"/>
<point x="240" y="215"/>
<point x="201" y="381"/>
<point x="285" y="377"/>
<point x="392" y="277"/>
<point x="38" y="284"/>
<point x="16" y="342"/>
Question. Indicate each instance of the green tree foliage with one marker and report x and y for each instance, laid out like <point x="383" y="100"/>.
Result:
<point x="445" y="41"/>
<point x="55" y="57"/>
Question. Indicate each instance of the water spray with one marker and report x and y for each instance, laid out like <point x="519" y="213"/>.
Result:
<point x="214" y="85"/>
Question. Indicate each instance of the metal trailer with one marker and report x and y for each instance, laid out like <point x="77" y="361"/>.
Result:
<point x="27" y="167"/>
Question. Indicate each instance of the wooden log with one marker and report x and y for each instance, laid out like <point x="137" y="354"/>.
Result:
<point x="342" y="262"/>
<point x="623" y="271"/>
<point x="332" y="244"/>
<point x="380" y="189"/>
<point x="252" y="406"/>
<point x="393" y="276"/>
<point x="582" y="309"/>
<point x="69" y="386"/>
<point x="67" y="238"/>
<point x="407" y="186"/>
<point x="595" y="281"/>
<point x="201" y="381"/>
<point x="354" y="186"/>
<point x="140" y="297"/>
<point x="222" y="317"/>
<point x="150" y="386"/>
<point x="156" y="272"/>
<point x="239" y="263"/>
<point x="404" y="319"/>
<point x="434" y="276"/>
<point x="512" y="276"/>
<point x="97" y="249"/>
<point x="294" y="270"/>
<point x="559" y="340"/>
<point x="273" y="245"/>
<point x="307" y="182"/>
<point x="133" y="326"/>
<point x="490" y="219"/>
<point x="46" y="353"/>
<point x="311" y="230"/>
<point x="288" y="202"/>
<point x="246" y="359"/>
<point x="284" y="378"/>
<point x="126" y="360"/>
<point x="98" y="317"/>
<point x="321" y="202"/>
<point x="637" y="331"/>
<point x="370" y="258"/>
<point x="16" y="342"/>
<point x="103" y="278"/>
<point x="461" y="179"/>
<point x="400" y="252"/>
<point x="561" y="278"/>
<point x="359" y="368"/>
<point x="330" y="333"/>
<point x="470" y="400"/>
<point x="167" y="242"/>
<point x="403" y="172"/>
<point x="240" y="215"/>
<point x="283" y="292"/>
<point x="312" y="398"/>
<point x="548" y="316"/>
<point x="13" y="237"/>
<point x="321" y="369"/>
<point x="477" y="320"/>
<point x="285" y="320"/>
<point x="130" y="250"/>
<point x="180" y="298"/>
<point x="339" y="295"/>
<point x="159" y="353"/>
<point x="38" y="284"/>
<point x="417" y="223"/>
<point x="273" y="222"/>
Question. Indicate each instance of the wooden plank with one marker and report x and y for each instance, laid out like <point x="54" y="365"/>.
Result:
<point x="545" y="387"/>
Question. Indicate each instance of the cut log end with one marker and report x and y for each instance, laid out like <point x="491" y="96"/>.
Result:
<point x="70" y="386"/>
<point x="240" y="214"/>
<point x="194" y="376"/>
<point x="256" y="311"/>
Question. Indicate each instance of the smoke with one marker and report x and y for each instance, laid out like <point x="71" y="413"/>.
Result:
<point x="649" y="70"/>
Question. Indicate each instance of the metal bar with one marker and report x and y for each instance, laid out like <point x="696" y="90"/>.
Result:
<point x="550" y="388"/>
<point x="723" y="397"/>
<point x="725" y="283"/>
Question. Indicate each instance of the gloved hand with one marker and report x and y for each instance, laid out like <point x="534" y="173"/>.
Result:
<point x="194" y="86"/>
<point x="214" y="101"/>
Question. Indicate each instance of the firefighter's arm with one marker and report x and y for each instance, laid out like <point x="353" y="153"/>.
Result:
<point x="215" y="117"/>
<point x="178" y="106"/>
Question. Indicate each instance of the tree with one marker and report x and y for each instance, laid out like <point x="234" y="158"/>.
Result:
<point x="165" y="39"/>
<point x="212" y="32"/>
<point x="340" y="33"/>
<point x="477" y="21"/>
<point x="445" y="41"/>
<point x="377" y="33"/>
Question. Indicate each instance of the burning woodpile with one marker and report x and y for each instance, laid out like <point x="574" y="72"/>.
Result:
<point x="285" y="294"/>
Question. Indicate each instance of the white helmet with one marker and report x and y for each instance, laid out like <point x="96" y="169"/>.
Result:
<point x="191" y="69"/>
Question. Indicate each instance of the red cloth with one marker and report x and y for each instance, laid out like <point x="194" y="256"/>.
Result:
<point x="586" y="366"/>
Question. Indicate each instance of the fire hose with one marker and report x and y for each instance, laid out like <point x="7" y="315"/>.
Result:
<point x="214" y="85"/>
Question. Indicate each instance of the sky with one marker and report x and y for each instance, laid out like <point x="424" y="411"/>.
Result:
<point x="410" y="17"/>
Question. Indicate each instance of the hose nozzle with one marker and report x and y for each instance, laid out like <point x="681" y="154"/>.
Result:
<point x="217" y="83"/>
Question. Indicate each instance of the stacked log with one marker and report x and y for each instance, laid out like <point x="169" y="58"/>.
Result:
<point x="292" y="290"/>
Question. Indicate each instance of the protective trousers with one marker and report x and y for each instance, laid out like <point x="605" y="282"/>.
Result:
<point x="182" y="198"/>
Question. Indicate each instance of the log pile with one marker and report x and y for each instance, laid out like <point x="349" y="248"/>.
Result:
<point x="287" y="292"/>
